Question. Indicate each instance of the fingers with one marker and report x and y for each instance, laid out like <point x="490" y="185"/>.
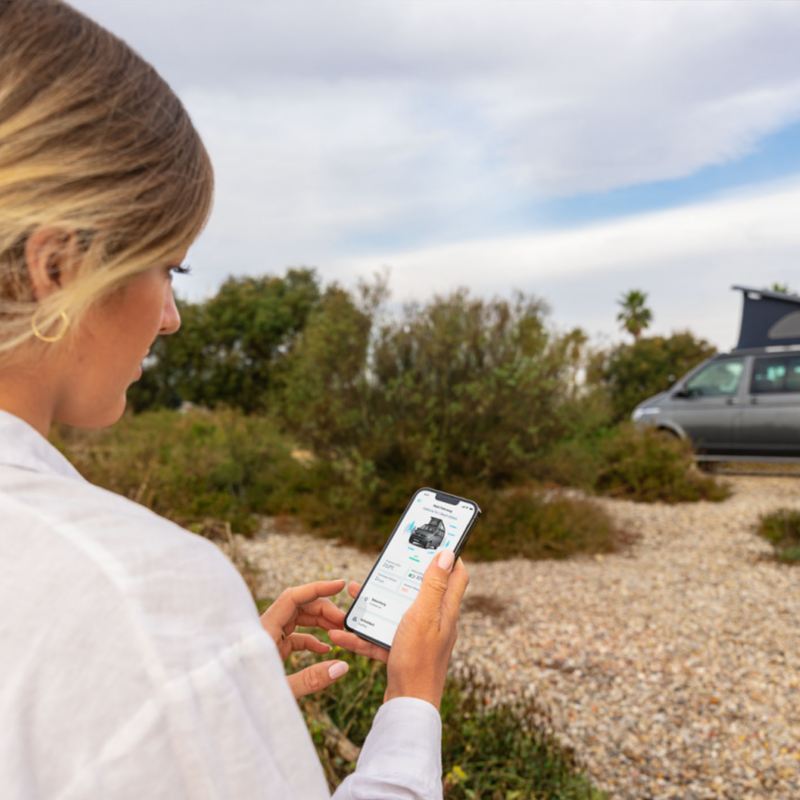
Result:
<point x="307" y="641"/>
<point x="320" y="613"/>
<point x="316" y="677"/>
<point x="456" y="586"/>
<point x="434" y="583"/>
<point x="291" y="599"/>
<point x="311" y="591"/>
<point x="353" y="588"/>
<point x="355" y="644"/>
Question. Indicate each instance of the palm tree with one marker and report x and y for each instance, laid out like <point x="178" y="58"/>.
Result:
<point x="635" y="316"/>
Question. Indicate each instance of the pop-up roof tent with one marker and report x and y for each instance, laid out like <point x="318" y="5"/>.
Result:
<point x="769" y="319"/>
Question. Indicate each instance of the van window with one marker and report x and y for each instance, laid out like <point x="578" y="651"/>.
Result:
<point x="717" y="379"/>
<point x="776" y="374"/>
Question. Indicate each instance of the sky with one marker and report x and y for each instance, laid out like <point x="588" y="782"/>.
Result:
<point x="571" y="150"/>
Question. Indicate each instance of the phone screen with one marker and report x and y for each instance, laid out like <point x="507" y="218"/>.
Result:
<point x="432" y="522"/>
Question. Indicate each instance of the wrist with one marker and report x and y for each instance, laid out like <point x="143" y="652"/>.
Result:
<point x="429" y="695"/>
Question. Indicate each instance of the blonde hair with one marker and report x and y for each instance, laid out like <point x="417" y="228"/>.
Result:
<point x="94" y="143"/>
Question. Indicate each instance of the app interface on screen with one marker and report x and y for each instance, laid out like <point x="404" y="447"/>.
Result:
<point x="428" y="526"/>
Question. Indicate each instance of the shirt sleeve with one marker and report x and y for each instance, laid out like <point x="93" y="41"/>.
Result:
<point x="401" y="758"/>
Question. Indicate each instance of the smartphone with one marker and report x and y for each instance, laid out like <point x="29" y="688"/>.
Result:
<point x="433" y="521"/>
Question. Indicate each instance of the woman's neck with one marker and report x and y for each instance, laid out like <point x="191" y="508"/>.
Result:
<point x="28" y="398"/>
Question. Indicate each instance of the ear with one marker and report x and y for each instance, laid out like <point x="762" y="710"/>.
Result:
<point x="49" y="257"/>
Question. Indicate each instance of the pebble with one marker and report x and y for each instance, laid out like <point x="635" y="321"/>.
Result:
<point x="672" y="669"/>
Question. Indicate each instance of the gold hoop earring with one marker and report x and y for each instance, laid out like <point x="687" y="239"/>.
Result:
<point x="62" y="315"/>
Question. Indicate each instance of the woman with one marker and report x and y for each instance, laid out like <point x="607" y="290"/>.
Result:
<point x="133" y="662"/>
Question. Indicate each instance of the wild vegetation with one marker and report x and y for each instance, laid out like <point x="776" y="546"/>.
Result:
<point x="782" y="530"/>
<point x="490" y="751"/>
<point x="316" y="402"/>
<point x="201" y="465"/>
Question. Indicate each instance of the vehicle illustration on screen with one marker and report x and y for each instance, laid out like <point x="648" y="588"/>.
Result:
<point x="428" y="536"/>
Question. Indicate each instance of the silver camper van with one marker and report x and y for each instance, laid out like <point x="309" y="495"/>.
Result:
<point x="744" y="404"/>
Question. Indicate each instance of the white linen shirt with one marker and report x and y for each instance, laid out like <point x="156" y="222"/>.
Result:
<point x="133" y="663"/>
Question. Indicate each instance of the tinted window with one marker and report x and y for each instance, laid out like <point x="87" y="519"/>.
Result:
<point x="776" y="374"/>
<point x="717" y="379"/>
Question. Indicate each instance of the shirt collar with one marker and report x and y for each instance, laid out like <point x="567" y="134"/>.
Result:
<point x="21" y="445"/>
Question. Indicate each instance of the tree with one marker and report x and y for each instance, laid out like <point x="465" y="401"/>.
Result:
<point x="634" y="315"/>
<point x="633" y="372"/>
<point x="324" y="392"/>
<point x="231" y="348"/>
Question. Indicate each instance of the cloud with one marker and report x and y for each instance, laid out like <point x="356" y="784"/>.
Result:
<point x="551" y="98"/>
<point x="686" y="259"/>
<point x="350" y="134"/>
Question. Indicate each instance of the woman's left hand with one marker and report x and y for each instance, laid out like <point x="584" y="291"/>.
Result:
<point x="308" y="606"/>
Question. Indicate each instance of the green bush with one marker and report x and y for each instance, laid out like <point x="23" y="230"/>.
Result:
<point x="572" y="462"/>
<point x="494" y="752"/>
<point x="782" y="530"/>
<point x="520" y="522"/>
<point x="190" y="466"/>
<point x="649" y="466"/>
<point x="457" y="389"/>
<point x="527" y="523"/>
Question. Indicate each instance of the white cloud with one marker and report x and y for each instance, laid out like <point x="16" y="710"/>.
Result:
<point x="686" y="259"/>
<point x="556" y="97"/>
<point x="367" y="128"/>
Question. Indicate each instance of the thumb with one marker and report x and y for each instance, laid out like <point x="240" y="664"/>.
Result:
<point x="435" y="580"/>
<point x="316" y="677"/>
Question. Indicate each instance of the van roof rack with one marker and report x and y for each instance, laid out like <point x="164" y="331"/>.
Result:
<point x="769" y="319"/>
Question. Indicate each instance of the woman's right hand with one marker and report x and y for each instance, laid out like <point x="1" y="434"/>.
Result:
<point x="421" y="648"/>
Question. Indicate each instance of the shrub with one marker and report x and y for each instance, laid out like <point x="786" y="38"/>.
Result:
<point x="190" y="466"/>
<point x="488" y="751"/>
<point x="201" y="465"/>
<point x="527" y="523"/>
<point x="649" y="466"/>
<point x="521" y="522"/>
<point x="782" y="530"/>
<point x="458" y="388"/>
<point x="572" y="462"/>
<point x="223" y="465"/>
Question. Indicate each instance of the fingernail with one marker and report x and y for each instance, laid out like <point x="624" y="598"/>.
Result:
<point x="338" y="669"/>
<point x="446" y="559"/>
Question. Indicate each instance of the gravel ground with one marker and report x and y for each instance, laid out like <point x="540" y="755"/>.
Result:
<point x="673" y="669"/>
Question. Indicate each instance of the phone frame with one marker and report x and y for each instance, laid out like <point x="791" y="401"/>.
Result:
<point x="446" y="497"/>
